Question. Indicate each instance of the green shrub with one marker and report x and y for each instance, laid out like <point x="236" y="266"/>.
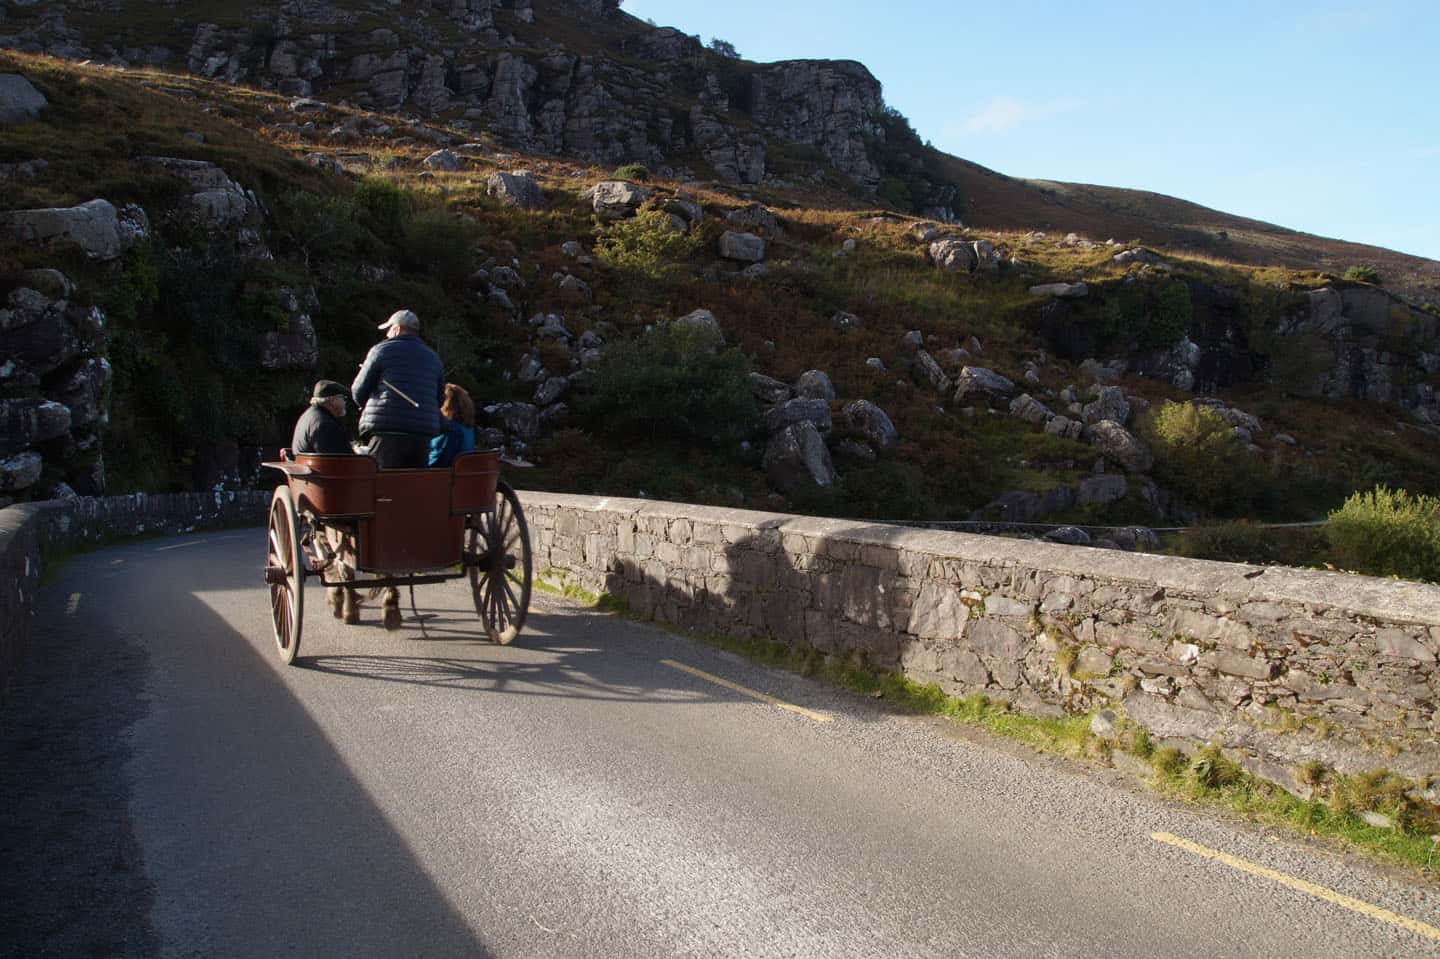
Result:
<point x="383" y="208"/>
<point x="440" y="243"/>
<point x="673" y="384"/>
<point x="1170" y="318"/>
<point x="647" y="244"/>
<point x="1363" y="274"/>
<point x="1387" y="532"/>
<point x="637" y="172"/>
<point x="1198" y="456"/>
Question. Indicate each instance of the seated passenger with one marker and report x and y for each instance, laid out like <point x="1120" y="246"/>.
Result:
<point x="321" y="428"/>
<point x="457" y="427"/>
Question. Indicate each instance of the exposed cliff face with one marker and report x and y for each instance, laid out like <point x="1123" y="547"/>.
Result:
<point x="567" y="78"/>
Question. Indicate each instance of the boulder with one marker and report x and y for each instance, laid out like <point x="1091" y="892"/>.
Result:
<point x="574" y="290"/>
<point x="768" y="390"/>
<point x="521" y="420"/>
<point x="1069" y="536"/>
<point x="976" y="382"/>
<point x="1029" y="409"/>
<point x="873" y="423"/>
<point x="20" y="471"/>
<point x="987" y="259"/>
<point x="506" y="278"/>
<point x="1094" y="372"/>
<point x="687" y="209"/>
<point x="1064" y="427"/>
<point x="744" y="247"/>
<point x="617" y="199"/>
<point x="786" y="414"/>
<point x="797" y="457"/>
<point x="1119" y="445"/>
<point x="93" y="227"/>
<point x="704" y="325"/>
<point x="1137" y="255"/>
<point x="551" y="390"/>
<point x="20" y="102"/>
<point x="572" y="248"/>
<point x="26" y="422"/>
<point x="754" y="217"/>
<point x="1067" y="291"/>
<point x="518" y="189"/>
<point x="442" y="160"/>
<point x="925" y="370"/>
<point x="1110" y="404"/>
<point x="815" y="385"/>
<point x="953" y="255"/>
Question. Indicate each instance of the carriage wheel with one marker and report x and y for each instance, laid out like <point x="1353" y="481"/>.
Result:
<point x="285" y="574"/>
<point x="500" y="577"/>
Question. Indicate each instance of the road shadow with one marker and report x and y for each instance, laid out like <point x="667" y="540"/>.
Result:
<point x="299" y="861"/>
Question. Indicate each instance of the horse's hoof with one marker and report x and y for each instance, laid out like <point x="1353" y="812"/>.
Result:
<point x="393" y="619"/>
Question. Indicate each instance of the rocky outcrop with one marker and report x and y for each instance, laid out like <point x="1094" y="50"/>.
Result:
<point x="654" y="96"/>
<point x="19" y="100"/>
<point x="797" y="456"/>
<point x="518" y="189"/>
<point x="95" y="228"/>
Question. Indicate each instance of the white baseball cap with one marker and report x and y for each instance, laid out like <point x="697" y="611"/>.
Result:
<point x="404" y="318"/>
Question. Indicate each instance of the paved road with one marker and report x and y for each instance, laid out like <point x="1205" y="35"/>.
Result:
<point x="170" y="789"/>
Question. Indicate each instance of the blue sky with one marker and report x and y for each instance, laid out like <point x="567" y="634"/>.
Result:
<point x="1324" y="117"/>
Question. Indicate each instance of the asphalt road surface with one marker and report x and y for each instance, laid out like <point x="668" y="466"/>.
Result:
<point x="171" y="789"/>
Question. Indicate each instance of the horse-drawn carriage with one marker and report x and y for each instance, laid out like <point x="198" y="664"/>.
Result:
<point x="404" y="528"/>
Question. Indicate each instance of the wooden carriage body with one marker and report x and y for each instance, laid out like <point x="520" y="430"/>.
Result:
<point x="406" y="520"/>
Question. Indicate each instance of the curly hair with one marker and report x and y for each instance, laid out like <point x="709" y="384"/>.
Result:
<point x="458" y="405"/>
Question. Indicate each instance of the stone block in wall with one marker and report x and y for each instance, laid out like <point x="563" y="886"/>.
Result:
<point x="1402" y="645"/>
<point x="995" y="640"/>
<point x="1210" y="629"/>
<point x="997" y="605"/>
<point x="938" y="612"/>
<point x="963" y="666"/>
<point x="881" y="647"/>
<point x="1238" y="664"/>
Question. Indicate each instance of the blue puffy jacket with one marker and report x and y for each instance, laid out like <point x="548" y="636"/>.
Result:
<point x="409" y="367"/>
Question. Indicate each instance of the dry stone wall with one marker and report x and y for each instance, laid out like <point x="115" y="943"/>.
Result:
<point x="1281" y="667"/>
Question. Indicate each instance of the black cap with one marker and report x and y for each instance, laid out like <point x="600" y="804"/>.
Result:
<point x="324" y="389"/>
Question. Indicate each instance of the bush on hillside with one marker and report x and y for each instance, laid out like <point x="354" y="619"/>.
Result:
<point x="1387" y="532"/>
<point x="1363" y="274"/>
<point x="1170" y="319"/>
<point x="647" y="244"/>
<point x="637" y="172"/>
<point x="673" y="384"/>
<point x="440" y="243"/>
<point x="1198" y="456"/>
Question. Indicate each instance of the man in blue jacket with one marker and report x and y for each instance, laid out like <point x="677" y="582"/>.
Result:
<point x="399" y="389"/>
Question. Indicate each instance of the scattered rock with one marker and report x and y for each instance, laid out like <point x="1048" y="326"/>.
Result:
<point x="1119" y="445"/>
<point x="815" y="385"/>
<point x="976" y="382"/>
<point x="572" y="248"/>
<point x="796" y="456"/>
<point x="873" y="423"/>
<point x="769" y="390"/>
<point x="754" y="217"/>
<point x="551" y="390"/>
<point x="844" y="321"/>
<point x="441" y="160"/>
<point x="1069" y="536"/>
<point x="790" y="412"/>
<point x="93" y="227"/>
<point x="745" y="247"/>
<point x="20" y="102"/>
<point x="925" y="370"/>
<point x="1137" y="255"/>
<point x="19" y="471"/>
<point x="1029" y="409"/>
<point x="1104" y="724"/>
<point x="705" y="325"/>
<point x="617" y="199"/>
<point x="518" y="189"/>
<point x="875" y="363"/>
<point x="953" y="255"/>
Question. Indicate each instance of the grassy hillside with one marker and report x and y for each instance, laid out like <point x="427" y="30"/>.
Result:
<point x="402" y="236"/>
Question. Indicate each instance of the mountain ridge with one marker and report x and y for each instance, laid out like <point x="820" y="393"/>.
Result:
<point x="583" y="78"/>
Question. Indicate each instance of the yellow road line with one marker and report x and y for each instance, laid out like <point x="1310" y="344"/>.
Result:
<point x="1300" y="885"/>
<point x="745" y="691"/>
<point x="73" y="605"/>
